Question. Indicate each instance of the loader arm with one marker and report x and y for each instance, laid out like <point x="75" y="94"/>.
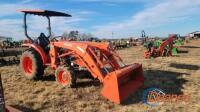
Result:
<point x="85" y="55"/>
<point x="169" y="42"/>
<point x="119" y="81"/>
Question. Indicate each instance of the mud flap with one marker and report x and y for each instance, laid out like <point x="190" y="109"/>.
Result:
<point x="118" y="85"/>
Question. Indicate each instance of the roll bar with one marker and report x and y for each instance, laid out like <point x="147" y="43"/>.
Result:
<point x="45" y="13"/>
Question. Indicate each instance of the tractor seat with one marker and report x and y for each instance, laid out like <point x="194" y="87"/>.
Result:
<point x="43" y="41"/>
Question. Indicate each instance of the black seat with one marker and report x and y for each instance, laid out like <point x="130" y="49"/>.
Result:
<point x="43" y="41"/>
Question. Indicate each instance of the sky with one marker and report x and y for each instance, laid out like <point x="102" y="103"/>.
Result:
<point x="104" y="18"/>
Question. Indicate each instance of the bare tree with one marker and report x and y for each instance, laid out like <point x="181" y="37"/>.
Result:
<point x="65" y="35"/>
<point x="71" y="35"/>
<point x="85" y="36"/>
<point x="75" y="35"/>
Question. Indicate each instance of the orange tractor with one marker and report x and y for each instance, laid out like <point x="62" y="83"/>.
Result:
<point x="68" y="57"/>
<point x="159" y="48"/>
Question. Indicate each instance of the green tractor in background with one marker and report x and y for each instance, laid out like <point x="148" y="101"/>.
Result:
<point x="156" y="43"/>
<point x="178" y="41"/>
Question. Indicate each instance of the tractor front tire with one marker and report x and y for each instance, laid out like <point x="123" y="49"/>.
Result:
<point x="65" y="76"/>
<point x="31" y="65"/>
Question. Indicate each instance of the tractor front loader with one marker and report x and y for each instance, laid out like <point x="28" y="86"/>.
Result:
<point x="69" y="57"/>
<point x="157" y="49"/>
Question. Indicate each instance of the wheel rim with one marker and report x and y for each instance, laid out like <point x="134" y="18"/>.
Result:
<point x="63" y="77"/>
<point x="27" y="65"/>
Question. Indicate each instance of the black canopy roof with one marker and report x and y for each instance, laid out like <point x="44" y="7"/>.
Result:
<point x="45" y="13"/>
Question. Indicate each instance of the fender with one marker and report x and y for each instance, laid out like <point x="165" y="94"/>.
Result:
<point x="39" y="50"/>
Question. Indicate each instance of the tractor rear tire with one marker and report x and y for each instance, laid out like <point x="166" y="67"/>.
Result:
<point x="31" y="65"/>
<point x="65" y="76"/>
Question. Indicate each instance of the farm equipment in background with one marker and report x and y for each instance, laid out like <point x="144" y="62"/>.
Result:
<point x="67" y="58"/>
<point x="10" y="55"/>
<point x="9" y="51"/>
<point x="159" y="48"/>
<point x="9" y="43"/>
<point x="6" y="43"/>
<point x="143" y="36"/>
<point x="156" y="43"/>
<point x="122" y="43"/>
<point x="178" y="42"/>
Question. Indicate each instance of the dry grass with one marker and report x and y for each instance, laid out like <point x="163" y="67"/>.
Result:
<point x="174" y="75"/>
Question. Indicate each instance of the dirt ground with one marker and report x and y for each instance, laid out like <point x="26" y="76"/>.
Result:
<point x="174" y="75"/>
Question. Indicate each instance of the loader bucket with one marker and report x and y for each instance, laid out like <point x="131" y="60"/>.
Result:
<point x="118" y="85"/>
